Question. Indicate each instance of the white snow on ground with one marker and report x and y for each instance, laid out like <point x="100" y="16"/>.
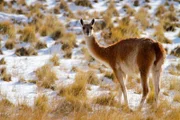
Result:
<point x="14" y="17"/>
<point x="24" y="67"/>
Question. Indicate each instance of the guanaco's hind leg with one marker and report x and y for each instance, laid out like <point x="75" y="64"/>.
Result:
<point x="144" y="80"/>
<point x="156" y="72"/>
<point x="118" y="87"/>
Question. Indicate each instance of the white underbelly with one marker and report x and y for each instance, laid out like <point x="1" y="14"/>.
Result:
<point x="130" y="69"/>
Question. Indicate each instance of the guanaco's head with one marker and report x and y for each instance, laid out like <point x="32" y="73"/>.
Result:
<point x="87" y="28"/>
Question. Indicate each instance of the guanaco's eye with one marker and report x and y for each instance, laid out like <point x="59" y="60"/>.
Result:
<point x="83" y="28"/>
<point x="91" y="27"/>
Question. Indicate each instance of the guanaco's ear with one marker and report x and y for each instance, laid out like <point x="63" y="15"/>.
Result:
<point x="92" y="22"/>
<point x="81" y="21"/>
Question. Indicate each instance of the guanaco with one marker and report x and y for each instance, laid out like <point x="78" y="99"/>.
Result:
<point x="130" y="57"/>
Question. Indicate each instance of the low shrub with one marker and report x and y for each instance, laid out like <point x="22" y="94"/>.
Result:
<point x="40" y="45"/>
<point x="6" y="27"/>
<point x="159" y="34"/>
<point x="124" y="30"/>
<point x="25" y="51"/>
<point x="2" y="61"/>
<point x="28" y="35"/>
<point x="46" y="76"/>
<point x="4" y="75"/>
<point x="55" y="59"/>
<point x="142" y="16"/>
<point x="85" y="3"/>
<point x="10" y="44"/>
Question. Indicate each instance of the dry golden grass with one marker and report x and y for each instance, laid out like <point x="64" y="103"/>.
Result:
<point x="10" y="43"/>
<point x="177" y="97"/>
<point x="68" y="43"/>
<point x="175" y="51"/>
<point x="160" y="10"/>
<point x="57" y="33"/>
<point x="169" y="21"/>
<point x="75" y="96"/>
<point x="109" y="13"/>
<point x="179" y="34"/>
<point x="40" y="45"/>
<point x="46" y="76"/>
<point x="130" y="11"/>
<point x="55" y="60"/>
<point x="86" y="54"/>
<point x="171" y="8"/>
<point x="77" y="90"/>
<point x="22" y="79"/>
<point x="91" y="77"/>
<point x="173" y="115"/>
<point x="133" y="84"/>
<point x="44" y="30"/>
<point x="150" y="97"/>
<point x="163" y="107"/>
<point x="99" y="25"/>
<point x="107" y="73"/>
<point x="178" y="66"/>
<point x="110" y="114"/>
<point x="64" y="108"/>
<point x="25" y="51"/>
<point x="147" y="6"/>
<point x="32" y="81"/>
<point x="68" y="53"/>
<point x="5" y="109"/>
<point x="85" y="3"/>
<point x="107" y="19"/>
<point x="174" y="84"/>
<point x="175" y="70"/>
<point x="22" y="111"/>
<point x="2" y="61"/>
<point x="54" y="28"/>
<point x="159" y="34"/>
<point x="75" y="69"/>
<point x="21" y="2"/>
<point x="112" y="9"/>
<point x="95" y="14"/>
<point x="36" y="10"/>
<point x="1" y="5"/>
<point x="4" y="75"/>
<point x="56" y="9"/>
<point x="125" y="29"/>
<point x="28" y="34"/>
<point x="77" y="110"/>
<point x="6" y="27"/>
<point x="108" y="100"/>
<point x="136" y="3"/>
<point x="37" y="21"/>
<point x="142" y="16"/>
<point x="41" y="103"/>
<point x="63" y="5"/>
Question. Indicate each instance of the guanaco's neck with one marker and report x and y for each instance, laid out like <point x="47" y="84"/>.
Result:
<point x="95" y="50"/>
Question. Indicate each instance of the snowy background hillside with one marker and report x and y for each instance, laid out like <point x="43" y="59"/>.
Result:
<point x="43" y="56"/>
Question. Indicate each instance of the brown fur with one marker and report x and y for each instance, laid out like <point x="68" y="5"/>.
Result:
<point x="160" y="52"/>
<point x="133" y="55"/>
<point x="147" y="49"/>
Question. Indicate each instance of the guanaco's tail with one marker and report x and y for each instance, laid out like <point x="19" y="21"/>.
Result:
<point x="160" y="52"/>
